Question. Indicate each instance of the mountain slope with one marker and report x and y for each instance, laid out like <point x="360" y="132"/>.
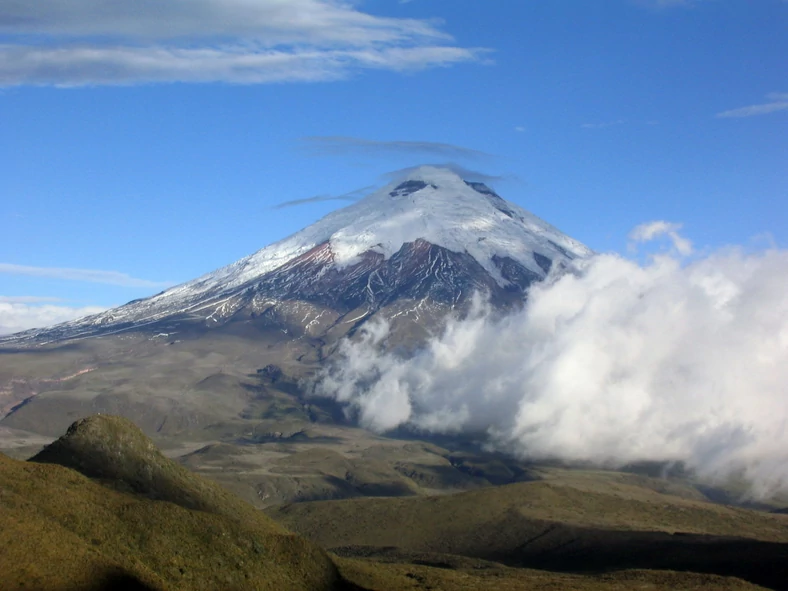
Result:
<point x="430" y="240"/>
<point x="187" y="361"/>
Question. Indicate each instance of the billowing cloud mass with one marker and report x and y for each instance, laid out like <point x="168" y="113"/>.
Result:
<point x="614" y="363"/>
<point x="90" y="42"/>
<point x="18" y="314"/>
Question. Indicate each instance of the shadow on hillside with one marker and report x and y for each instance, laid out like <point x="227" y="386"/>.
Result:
<point x="566" y="548"/>
<point x="563" y="548"/>
<point x="119" y="581"/>
<point x="114" y="580"/>
<point x="762" y="563"/>
<point x="37" y="350"/>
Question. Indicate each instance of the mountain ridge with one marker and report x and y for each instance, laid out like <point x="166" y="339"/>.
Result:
<point x="430" y="239"/>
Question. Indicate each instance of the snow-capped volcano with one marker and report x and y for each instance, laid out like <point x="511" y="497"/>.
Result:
<point x="430" y="239"/>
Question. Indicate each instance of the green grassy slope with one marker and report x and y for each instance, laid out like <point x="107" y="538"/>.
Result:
<point x="59" y="529"/>
<point x="113" y="450"/>
<point x="456" y="575"/>
<point x="583" y="522"/>
<point x="102" y="508"/>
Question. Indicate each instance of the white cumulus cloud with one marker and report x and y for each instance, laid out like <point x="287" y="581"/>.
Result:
<point x="18" y="314"/>
<point x="614" y="363"/>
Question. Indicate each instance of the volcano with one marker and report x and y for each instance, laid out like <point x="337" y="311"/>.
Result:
<point x="411" y="252"/>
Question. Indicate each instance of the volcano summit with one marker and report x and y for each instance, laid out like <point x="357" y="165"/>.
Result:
<point x="410" y="252"/>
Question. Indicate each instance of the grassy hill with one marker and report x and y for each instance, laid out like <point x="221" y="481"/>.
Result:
<point x="574" y="521"/>
<point x="101" y="508"/>
<point x="62" y="530"/>
<point x="454" y="574"/>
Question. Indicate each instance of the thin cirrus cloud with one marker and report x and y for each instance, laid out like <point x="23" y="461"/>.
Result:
<point x="463" y="172"/>
<point x="87" y="275"/>
<point x="777" y="101"/>
<point x="28" y="299"/>
<point x="342" y="146"/>
<point x="602" y="124"/>
<point x="664" y="4"/>
<point x="351" y="196"/>
<point x="397" y="175"/>
<point x="92" y="42"/>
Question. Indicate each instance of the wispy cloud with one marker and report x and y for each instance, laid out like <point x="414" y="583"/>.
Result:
<point x="652" y="230"/>
<point x="93" y="42"/>
<point x="395" y="175"/>
<point x="315" y="199"/>
<point x="16" y="316"/>
<point x="461" y="171"/>
<point x="777" y="101"/>
<point x="267" y="21"/>
<point x="351" y="196"/>
<point x="27" y="299"/>
<point x="663" y="4"/>
<point x="603" y="124"/>
<point x="341" y="145"/>
<point x="87" y="275"/>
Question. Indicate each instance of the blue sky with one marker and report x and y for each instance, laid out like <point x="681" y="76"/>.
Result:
<point x="141" y="149"/>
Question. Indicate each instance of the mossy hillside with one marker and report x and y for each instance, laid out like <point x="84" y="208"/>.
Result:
<point x="450" y="522"/>
<point x="115" y="451"/>
<point x="457" y="574"/>
<point x="147" y="521"/>
<point x="554" y="526"/>
<point x="60" y="530"/>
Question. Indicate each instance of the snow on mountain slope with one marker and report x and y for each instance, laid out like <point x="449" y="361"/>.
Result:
<point x="431" y="206"/>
